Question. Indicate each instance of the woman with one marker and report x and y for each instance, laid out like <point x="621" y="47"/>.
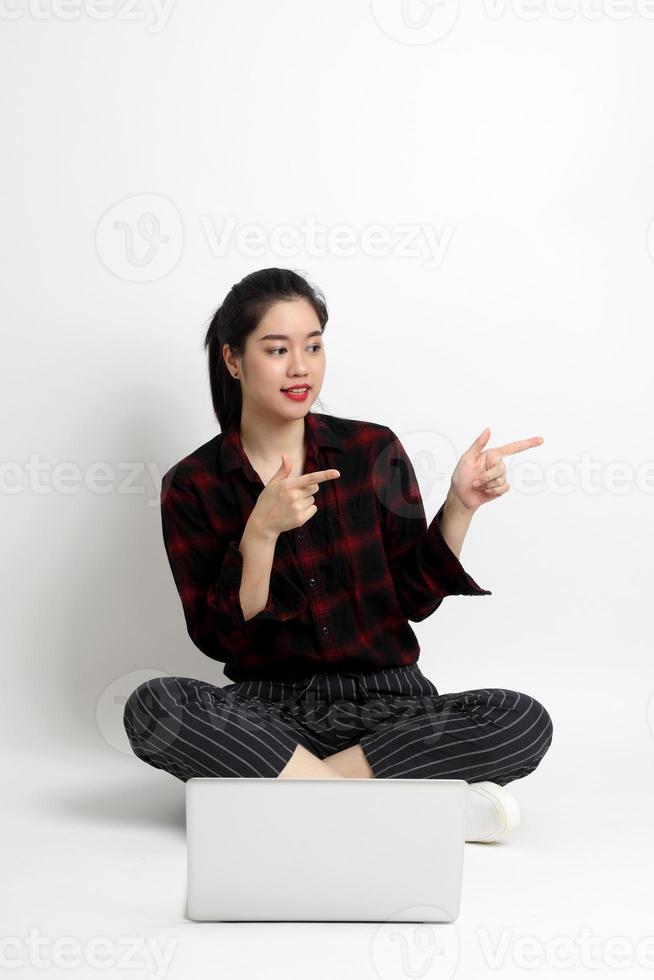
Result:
<point x="300" y="550"/>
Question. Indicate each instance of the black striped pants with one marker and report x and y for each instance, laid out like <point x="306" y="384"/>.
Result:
<point x="407" y="730"/>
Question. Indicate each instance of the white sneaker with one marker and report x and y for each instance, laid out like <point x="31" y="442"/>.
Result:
<point x="492" y="812"/>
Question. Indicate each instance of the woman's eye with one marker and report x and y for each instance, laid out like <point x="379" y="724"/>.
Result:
<point x="274" y="350"/>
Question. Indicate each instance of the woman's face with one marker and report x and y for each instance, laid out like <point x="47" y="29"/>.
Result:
<point x="295" y="357"/>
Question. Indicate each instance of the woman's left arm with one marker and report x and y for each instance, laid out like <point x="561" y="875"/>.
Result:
<point x="479" y="476"/>
<point x="454" y="523"/>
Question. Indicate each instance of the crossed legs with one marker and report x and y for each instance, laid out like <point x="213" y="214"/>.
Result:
<point x="351" y="763"/>
<point x="487" y="734"/>
<point x="191" y="728"/>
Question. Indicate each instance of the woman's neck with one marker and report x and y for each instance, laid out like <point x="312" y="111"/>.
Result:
<point x="266" y="441"/>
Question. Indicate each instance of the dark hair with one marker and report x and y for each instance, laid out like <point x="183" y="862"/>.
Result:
<point x="237" y="317"/>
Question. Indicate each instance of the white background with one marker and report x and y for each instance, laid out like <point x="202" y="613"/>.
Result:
<point x="521" y="137"/>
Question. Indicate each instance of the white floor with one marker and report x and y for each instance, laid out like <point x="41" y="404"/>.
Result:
<point x="95" y="864"/>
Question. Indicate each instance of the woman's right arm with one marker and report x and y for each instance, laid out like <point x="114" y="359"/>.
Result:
<point x="258" y="549"/>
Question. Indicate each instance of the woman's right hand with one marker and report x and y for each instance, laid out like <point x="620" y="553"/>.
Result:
<point x="287" y="502"/>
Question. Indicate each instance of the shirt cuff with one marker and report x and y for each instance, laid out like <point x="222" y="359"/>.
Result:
<point x="285" y="600"/>
<point x="449" y="574"/>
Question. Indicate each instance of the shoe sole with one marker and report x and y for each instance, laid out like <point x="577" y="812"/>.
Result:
<point x="506" y="807"/>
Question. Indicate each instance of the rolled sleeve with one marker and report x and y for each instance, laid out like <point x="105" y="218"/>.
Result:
<point x="285" y="600"/>
<point x="207" y="568"/>
<point x="450" y="576"/>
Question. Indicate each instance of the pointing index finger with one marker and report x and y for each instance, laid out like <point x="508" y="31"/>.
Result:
<point x="320" y="476"/>
<point x="509" y="448"/>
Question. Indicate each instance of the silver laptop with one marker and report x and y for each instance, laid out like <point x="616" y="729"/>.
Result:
<point x="316" y="850"/>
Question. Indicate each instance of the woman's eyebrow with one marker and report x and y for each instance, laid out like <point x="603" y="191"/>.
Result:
<point x="283" y="336"/>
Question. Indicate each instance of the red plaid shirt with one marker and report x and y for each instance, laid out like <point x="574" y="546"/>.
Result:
<point x="342" y="587"/>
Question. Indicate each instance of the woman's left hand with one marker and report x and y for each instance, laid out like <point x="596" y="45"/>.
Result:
<point x="480" y="475"/>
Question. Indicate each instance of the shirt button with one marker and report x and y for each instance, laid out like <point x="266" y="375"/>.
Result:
<point x="300" y="535"/>
<point x="312" y="581"/>
<point x="324" y="630"/>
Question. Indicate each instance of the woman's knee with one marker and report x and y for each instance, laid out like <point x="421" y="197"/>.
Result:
<point x="155" y="705"/>
<point x="535" y="727"/>
<point x="518" y="716"/>
<point x="526" y="711"/>
<point x="524" y="731"/>
<point x="537" y="721"/>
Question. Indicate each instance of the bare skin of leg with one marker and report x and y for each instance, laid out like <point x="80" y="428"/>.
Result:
<point x="305" y="765"/>
<point x="351" y="763"/>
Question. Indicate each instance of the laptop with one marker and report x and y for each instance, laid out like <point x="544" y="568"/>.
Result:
<point x="318" y="850"/>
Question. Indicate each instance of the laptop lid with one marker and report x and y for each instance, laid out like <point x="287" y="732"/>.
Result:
<point x="342" y="850"/>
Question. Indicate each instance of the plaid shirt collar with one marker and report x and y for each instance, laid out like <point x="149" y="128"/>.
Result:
<point x="318" y="432"/>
